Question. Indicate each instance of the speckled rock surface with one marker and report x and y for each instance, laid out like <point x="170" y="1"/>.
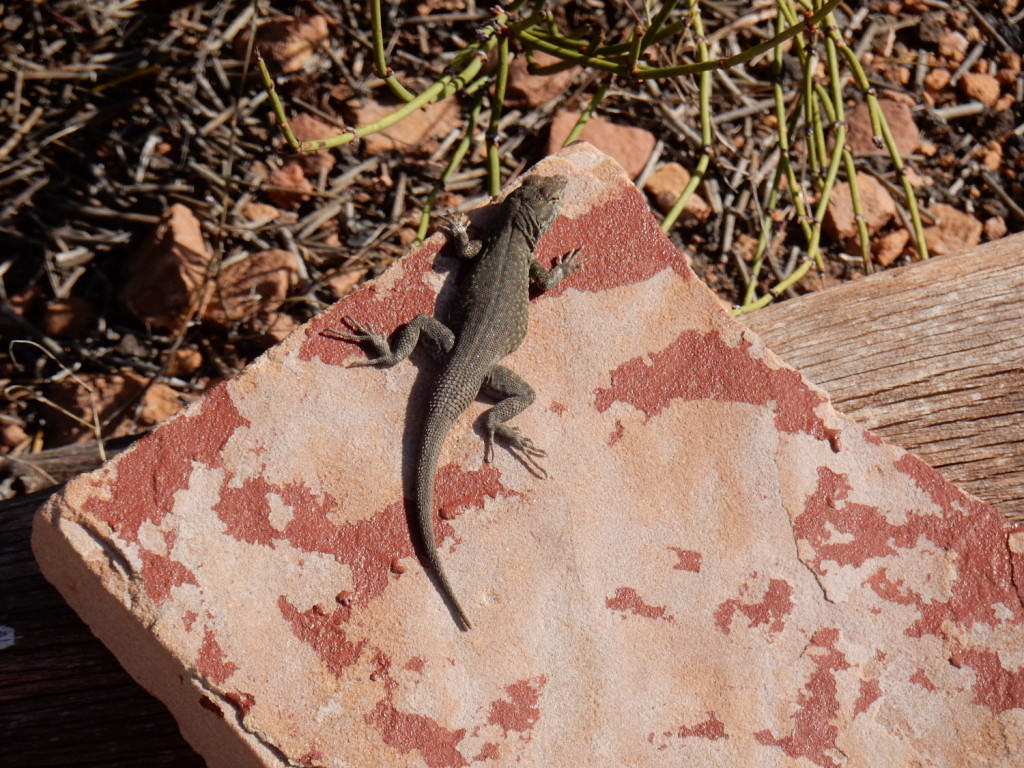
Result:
<point x="719" y="571"/>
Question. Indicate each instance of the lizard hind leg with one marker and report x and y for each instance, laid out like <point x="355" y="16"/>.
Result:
<point x="515" y="396"/>
<point x="402" y="343"/>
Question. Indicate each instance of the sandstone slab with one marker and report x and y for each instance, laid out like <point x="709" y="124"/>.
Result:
<point x="719" y="570"/>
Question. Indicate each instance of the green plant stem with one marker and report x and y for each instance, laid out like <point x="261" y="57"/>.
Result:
<point x="380" y="60"/>
<point x="745" y="55"/>
<point x="445" y="86"/>
<point x="586" y="114"/>
<point x="453" y="164"/>
<point x="704" y="99"/>
<point x="497" y="102"/>
<point x="880" y="126"/>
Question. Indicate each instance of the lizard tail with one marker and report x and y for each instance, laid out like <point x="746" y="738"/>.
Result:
<point x="426" y="469"/>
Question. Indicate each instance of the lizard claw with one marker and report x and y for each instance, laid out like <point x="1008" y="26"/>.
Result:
<point x="458" y="236"/>
<point x="569" y="263"/>
<point x="523" y="448"/>
<point x="364" y="335"/>
<point x="456" y="224"/>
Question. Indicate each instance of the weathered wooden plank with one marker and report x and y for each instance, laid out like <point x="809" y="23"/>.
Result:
<point x="930" y="357"/>
<point x="65" y="700"/>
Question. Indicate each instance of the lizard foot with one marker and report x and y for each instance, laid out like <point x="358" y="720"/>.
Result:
<point x="364" y="334"/>
<point x="455" y="225"/>
<point x="567" y="264"/>
<point x="519" y="446"/>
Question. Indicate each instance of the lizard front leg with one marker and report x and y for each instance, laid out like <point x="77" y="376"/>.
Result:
<point x="458" y="236"/>
<point x="403" y="341"/>
<point x="546" y="279"/>
<point x="515" y="397"/>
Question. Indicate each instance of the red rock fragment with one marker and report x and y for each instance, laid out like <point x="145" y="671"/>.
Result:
<point x="629" y="145"/>
<point x="12" y="435"/>
<point x="90" y="397"/>
<point x="1009" y="60"/>
<point x="185" y="362"/>
<point x="994" y="227"/>
<point x="984" y="88"/>
<point x="419" y="133"/>
<point x="937" y="79"/>
<point x="287" y="187"/>
<point x="274" y="325"/>
<point x="287" y="42"/>
<point x="529" y="90"/>
<point x="667" y="183"/>
<point x="260" y="212"/>
<point x="953" y="46"/>
<point x="901" y="124"/>
<point x="953" y="231"/>
<point x="876" y="203"/>
<point x="254" y="285"/>
<point x="342" y="283"/>
<point x="890" y="247"/>
<point x="167" y="273"/>
<point x="67" y="317"/>
<point x="159" y="402"/>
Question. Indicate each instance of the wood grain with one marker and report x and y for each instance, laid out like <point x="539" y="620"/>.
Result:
<point x="64" y="699"/>
<point x="930" y="357"/>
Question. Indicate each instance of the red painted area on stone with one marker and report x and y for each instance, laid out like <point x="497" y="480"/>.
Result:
<point x="871" y="437"/>
<point x="701" y="366"/>
<point x="188" y="619"/>
<point x="212" y="663"/>
<point x="160" y="574"/>
<point x="411" y="295"/>
<point x="210" y="705"/>
<point x="368" y="547"/>
<point x="617" y="433"/>
<point x="968" y="529"/>
<point x="813" y="730"/>
<point x="689" y="560"/>
<point x="489" y="751"/>
<point x="632" y="247"/>
<point x="995" y="686"/>
<point x="324" y="634"/>
<point x="1017" y="564"/>
<point x="242" y="701"/>
<point x="520" y="712"/>
<point x="381" y="668"/>
<point x="406" y="732"/>
<point x="459" y="489"/>
<point x="415" y="664"/>
<point x="776" y="604"/>
<point x="977" y="534"/>
<point x="245" y="511"/>
<point x="312" y="755"/>
<point x="627" y="600"/>
<point x="920" y="678"/>
<point x="158" y="466"/>
<point x="892" y="591"/>
<point x="712" y="729"/>
<point x="870" y="691"/>
<point x="871" y="536"/>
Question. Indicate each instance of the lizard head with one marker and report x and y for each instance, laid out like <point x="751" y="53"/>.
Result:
<point x="538" y="198"/>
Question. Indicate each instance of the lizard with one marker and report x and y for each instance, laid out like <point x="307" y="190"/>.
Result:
<point x="489" y="322"/>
